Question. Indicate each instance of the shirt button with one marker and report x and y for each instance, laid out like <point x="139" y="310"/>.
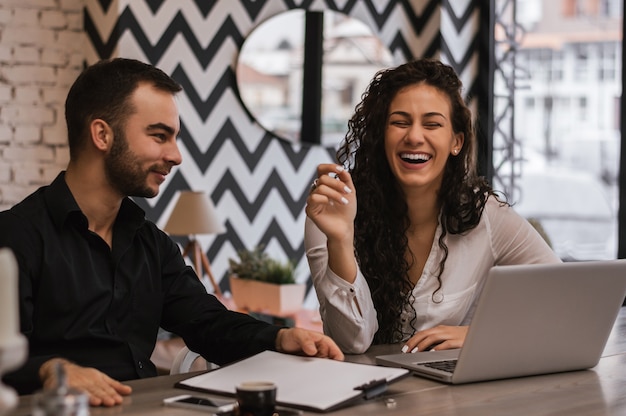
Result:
<point x="140" y="365"/>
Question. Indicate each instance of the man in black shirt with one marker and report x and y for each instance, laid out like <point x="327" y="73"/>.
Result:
<point x="97" y="279"/>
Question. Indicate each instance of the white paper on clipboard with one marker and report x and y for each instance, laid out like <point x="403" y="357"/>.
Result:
<point x="309" y="383"/>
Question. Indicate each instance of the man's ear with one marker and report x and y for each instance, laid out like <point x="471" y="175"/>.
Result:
<point x="101" y="134"/>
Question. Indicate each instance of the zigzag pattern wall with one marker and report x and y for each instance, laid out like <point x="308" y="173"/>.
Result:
<point x="258" y="183"/>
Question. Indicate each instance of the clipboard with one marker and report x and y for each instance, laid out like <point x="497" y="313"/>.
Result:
<point x="307" y="383"/>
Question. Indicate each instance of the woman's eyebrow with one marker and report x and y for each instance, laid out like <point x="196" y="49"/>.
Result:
<point x="399" y="113"/>
<point x="405" y="114"/>
<point x="435" y="113"/>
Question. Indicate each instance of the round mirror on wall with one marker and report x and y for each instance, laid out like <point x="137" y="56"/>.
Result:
<point x="336" y="54"/>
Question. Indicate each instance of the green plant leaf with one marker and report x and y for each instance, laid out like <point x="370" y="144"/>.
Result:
<point x="255" y="264"/>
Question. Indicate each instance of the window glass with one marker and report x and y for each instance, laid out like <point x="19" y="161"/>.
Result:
<point x="559" y="165"/>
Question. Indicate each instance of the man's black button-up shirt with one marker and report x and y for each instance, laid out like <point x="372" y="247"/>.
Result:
<point x="102" y="307"/>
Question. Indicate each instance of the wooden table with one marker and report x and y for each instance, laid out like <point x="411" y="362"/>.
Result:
<point x="598" y="391"/>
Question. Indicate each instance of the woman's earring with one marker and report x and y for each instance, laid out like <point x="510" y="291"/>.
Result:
<point x="455" y="151"/>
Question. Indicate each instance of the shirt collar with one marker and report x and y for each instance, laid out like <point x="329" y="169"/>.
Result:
<point x="62" y="206"/>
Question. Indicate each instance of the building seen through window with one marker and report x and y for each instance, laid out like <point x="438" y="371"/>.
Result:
<point x="566" y="124"/>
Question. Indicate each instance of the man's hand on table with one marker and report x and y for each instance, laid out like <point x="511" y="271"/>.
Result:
<point x="311" y="343"/>
<point x="101" y="389"/>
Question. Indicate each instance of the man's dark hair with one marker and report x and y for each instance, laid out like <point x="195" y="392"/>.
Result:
<point x="103" y="90"/>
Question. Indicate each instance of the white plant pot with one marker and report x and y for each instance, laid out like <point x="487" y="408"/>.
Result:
<point x="270" y="298"/>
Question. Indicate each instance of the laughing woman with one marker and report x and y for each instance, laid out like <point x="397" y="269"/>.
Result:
<point x="408" y="265"/>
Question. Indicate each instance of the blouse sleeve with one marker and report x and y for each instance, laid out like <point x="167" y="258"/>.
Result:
<point x="514" y="240"/>
<point x="346" y="309"/>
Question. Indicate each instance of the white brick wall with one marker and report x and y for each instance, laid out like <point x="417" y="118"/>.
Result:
<point x="41" y="50"/>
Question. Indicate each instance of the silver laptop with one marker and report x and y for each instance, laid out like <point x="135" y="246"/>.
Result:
<point x="530" y="319"/>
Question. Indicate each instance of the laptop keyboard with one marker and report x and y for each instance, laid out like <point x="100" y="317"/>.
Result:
<point x="446" y="365"/>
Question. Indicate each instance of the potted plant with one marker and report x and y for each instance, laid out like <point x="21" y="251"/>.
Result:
<point x="260" y="283"/>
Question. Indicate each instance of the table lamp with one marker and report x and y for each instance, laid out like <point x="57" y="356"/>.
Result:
<point x="193" y="214"/>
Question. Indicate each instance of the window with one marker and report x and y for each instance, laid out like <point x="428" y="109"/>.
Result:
<point x="611" y="8"/>
<point x="582" y="108"/>
<point x="607" y="61"/>
<point x="564" y="144"/>
<point x="581" y="62"/>
<point x="556" y="68"/>
<point x="529" y="103"/>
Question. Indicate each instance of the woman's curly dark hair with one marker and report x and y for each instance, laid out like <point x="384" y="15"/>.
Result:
<point x="381" y="222"/>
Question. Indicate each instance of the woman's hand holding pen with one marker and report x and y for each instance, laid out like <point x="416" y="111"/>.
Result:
<point x="331" y="205"/>
<point x="332" y="202"/>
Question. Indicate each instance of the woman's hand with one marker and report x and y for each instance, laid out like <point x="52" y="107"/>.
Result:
<point x="441" y="337"/>
<point x="332" y="202"/>
<point x="331" y="205"/>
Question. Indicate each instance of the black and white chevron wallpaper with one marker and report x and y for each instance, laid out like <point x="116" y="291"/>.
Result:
<point x="258" y="183"/>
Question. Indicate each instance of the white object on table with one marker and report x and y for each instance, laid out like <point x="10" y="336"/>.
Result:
<point x="13" y="345"/>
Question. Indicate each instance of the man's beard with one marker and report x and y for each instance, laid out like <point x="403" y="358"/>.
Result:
<point x="123" y="169"/>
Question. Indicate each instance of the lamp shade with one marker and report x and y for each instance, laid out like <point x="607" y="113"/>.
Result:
<point x="194" y="213"/>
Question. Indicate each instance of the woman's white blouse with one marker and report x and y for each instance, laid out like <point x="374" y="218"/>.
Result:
<point x="502" y="237"/>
